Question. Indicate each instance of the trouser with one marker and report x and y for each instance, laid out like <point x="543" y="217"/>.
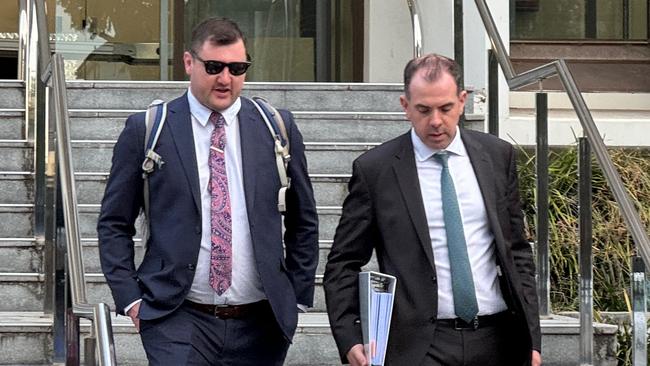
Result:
<point x="489" y="345"/>
<point x="192" y="337"/>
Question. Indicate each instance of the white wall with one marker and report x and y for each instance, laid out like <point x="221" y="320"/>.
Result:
<point x="389" y="39"/>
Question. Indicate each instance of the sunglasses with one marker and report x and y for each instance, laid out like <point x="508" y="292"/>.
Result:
<point x="216" y="67"/>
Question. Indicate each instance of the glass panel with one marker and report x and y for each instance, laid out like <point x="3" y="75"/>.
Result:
<point x="280" y="37"/>
<point x="579" y="19"/>
<point x="109" y="40"/>
<point x="120" y="39"/>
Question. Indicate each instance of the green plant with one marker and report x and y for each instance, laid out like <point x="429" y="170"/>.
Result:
<point x="612" y="245"/>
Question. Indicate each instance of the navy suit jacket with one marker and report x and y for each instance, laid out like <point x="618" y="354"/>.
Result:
<point x="384" y="212"/>
<point x="165" y="275"/>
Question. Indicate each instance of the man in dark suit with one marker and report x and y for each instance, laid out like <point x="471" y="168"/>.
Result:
<point x="440" y="207"/>
<point x="215" y="286"/>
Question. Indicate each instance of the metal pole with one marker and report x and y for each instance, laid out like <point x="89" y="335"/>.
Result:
<point x="541" y="154"/>
<point x="639" y="327"/>
<point x="416" y="24"/>
<point x="586" y="270"/>
<point x="591" y="19"/>
<point x="323" y="41"/>
<point x="493" y="93"/>
<point x="626" y="19"/>
<point x="164" y="40"/>
<point x="459" y="42"/>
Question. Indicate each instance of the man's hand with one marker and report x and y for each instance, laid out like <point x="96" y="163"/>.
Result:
<point x="536" y="359"/>
<point x="133" y="314"/>
<point x="356" y="356"/>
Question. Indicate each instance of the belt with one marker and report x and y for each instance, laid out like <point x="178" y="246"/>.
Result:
<point x="230" y="311"/>
<point x="480" y="321"/>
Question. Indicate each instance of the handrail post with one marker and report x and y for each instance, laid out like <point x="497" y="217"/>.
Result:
<point x="585" y="257"/>
<point x="493" y="93"/>
<point x="639" y="325"/>
<point x="542" y="243"/>
<point x="416" y="24"/>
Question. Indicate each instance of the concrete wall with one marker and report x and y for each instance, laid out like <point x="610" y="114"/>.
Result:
<point x="389" y="40"/>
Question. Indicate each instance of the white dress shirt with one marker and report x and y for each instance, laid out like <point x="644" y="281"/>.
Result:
<point x="246" y="286"/>
<point x="478" y="235"/>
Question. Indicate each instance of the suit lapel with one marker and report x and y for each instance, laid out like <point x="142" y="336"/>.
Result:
<point x="179" y="122"/>
<point x="250" y="140"/>
<point x="409" y="185"/>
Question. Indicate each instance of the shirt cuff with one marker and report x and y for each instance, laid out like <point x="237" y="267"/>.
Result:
<point x="126" y="309"/>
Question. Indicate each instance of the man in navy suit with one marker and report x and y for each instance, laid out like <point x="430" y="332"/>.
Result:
<point x="215" y="286"/>
<point x="440" y="207"/>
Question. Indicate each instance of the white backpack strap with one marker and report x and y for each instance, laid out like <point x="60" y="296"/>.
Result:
<point x="155" y="117"/>
<point x="282" y="156"/>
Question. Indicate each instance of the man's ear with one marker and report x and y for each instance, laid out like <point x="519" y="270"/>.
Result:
<point x="462" y="97"/>
<point x="403" y="100"/>
<point x="187" y="62"/>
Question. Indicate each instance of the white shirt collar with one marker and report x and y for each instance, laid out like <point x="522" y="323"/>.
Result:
<point x="202" y="113"/>
<point x="424" y="152"/>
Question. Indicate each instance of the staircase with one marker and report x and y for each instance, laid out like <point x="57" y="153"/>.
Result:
<point x="338" y="122"/>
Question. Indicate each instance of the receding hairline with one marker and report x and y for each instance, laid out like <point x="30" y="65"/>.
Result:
<point x="431" y="67"/>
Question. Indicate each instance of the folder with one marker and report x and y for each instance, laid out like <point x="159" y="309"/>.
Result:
<point x="376" y="298"/>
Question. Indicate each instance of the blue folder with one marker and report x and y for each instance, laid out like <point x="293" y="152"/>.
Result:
<point x="376" y="297"/>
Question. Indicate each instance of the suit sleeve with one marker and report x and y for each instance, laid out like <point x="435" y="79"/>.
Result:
<point x="300" y="220"/>
<point x="119" y="210"/>
<point x="522" y="253"/>
<point x="352" y="249"/>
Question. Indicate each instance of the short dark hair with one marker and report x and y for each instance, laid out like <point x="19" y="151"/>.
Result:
<point x="435" y="65"/>
<point x="218" y="31"/>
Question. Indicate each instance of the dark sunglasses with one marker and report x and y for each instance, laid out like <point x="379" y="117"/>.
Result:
<point x="215" y="67"/>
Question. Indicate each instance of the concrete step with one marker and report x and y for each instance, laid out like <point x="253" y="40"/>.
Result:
<point x="21" y="291"/>
<point x="20" y="255"/>
<point x="16" y="156"/>
<point x="94" y="157"/>
<point x="16" y="220"/>
<point x="12" y="124"/>
<point x="16" y="188"/>
<point x="329" y="190"/>
<point x="313" y="344"/>
<point x="12" y="94"/>
<point x="293" y="96"/>
<point x="357" y="127"/>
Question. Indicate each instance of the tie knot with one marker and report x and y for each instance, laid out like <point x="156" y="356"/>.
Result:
<point x="217" y="119"/>
<point x="442" y="157"/>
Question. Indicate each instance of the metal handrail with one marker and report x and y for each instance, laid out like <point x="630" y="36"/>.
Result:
<point x="414" y="9"/>
<point x="53" y="72"/>
<point x="559" y="68"/>
<point x="98" y="313"/>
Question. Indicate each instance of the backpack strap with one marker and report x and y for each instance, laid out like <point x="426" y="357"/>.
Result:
<point x="155" y="117"/>
<point x="275" y="123"/>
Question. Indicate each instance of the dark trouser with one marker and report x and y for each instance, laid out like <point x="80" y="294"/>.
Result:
<point x="489" y="345"/>
<point x="191" y="337"/>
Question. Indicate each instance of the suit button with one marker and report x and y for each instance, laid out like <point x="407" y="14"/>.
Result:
<point x="190" y="267"/>
<point x="433" y="278"/>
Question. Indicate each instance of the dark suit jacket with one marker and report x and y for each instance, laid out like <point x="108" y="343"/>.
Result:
<point x="167" y="270"/>
<point x="384" y="212"/>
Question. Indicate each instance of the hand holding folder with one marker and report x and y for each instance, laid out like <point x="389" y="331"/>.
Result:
<point x="376" y="296"/>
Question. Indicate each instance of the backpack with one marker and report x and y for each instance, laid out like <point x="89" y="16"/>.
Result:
<point x="155" y="117"/>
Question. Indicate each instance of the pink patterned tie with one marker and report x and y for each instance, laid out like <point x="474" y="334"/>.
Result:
<point x="220" y="218"/>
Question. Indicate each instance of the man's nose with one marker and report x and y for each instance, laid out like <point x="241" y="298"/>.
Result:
<point x="224" y="76"/>
<point x="436" y="119"/>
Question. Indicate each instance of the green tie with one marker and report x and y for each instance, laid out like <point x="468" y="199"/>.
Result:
<point x="462" y="284"/>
